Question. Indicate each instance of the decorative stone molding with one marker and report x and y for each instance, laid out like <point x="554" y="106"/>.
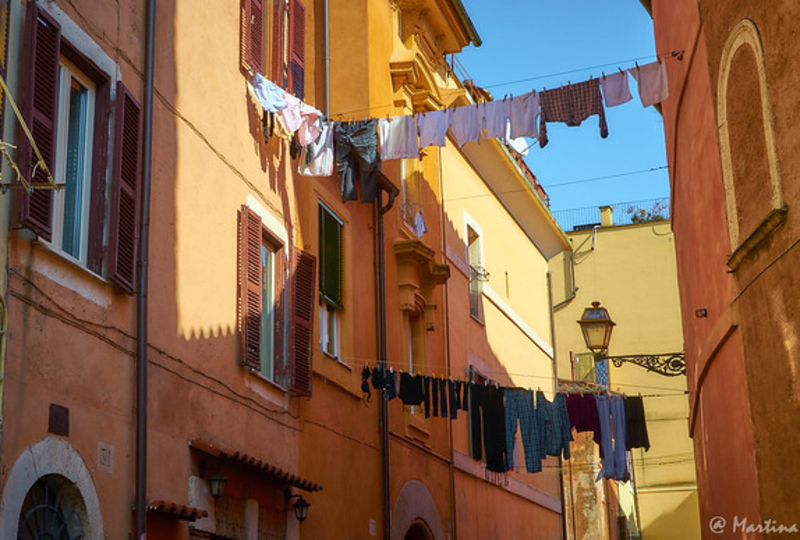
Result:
<point x="418" y="274"/>
<point x="412" y="75"/>
<point x="745" y="34"/>
<point x="52" y="455"/>
<point x="415" y="504"/>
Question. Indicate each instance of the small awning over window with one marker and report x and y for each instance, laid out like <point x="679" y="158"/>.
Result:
<point x="236" y="456"/>
<point x="180" y="511"/>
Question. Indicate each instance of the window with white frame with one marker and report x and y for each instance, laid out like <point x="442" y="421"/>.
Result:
<point x="67" y="100"/>
<point x="267" y="350"/>
<point x="330" y="281"/>
<point x="73" y="161"/>
<point x="477" y="273"/>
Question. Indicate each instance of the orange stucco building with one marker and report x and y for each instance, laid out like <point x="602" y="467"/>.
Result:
<point x="263" y="287"/>
<point x="731" y="144"/>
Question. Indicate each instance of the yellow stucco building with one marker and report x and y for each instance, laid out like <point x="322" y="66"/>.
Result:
<point x="631" y="270"/>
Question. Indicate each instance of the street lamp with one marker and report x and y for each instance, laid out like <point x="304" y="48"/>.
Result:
<point x="216" y="484"/>
<point x="596" y="326"/>
<point x="300" y="506"/>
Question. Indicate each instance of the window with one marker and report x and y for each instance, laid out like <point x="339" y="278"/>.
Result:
<point x="66" y="105"/>
<point x="411" y="178"/>
<point x="271" y="360"/>
<point x="73" y="159"/>
<point x="330" y="281"/>
<point x="589" y="369"/>
<point x="279" y="35"/>
<point x="275" y="321"/>
<point x="53" y="508"/>
<point x="477" y="274"/>
<point x="475" y="422"/>
<point x="417" y="335"/>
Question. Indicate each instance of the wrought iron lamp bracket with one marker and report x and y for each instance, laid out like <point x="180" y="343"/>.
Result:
<point x="669" y="365"/>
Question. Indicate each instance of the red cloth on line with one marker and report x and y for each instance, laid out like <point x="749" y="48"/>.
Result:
<point x="571" y="104"/>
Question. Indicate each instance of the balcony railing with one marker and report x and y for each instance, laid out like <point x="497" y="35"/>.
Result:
<point x="625" y="213"/>
<point x="477" y="275"/>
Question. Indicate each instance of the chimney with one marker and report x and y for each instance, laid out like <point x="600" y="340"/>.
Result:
<point x="606" y="216"/>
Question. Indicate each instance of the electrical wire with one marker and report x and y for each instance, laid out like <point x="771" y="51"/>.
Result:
<point x="391" y="106"/>
<point x="596" y="178"/>
<point x="579" y="70"/>
<point x="401" y="367"/>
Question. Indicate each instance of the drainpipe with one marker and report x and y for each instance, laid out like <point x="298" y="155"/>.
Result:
<point x="571" y="297"/>
<point x="555" y="387"/>
<point x="326" y="59"/>
<point x="380" y="210"/>
<point x="447" y="345"/>
<point x="144" y="232"/>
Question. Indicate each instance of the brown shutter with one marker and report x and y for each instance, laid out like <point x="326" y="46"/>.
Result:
<point x="282" y="374"/>
<point x="255" y="35"/>
<point x="124" y="215"/>
<point x="97" y="204"/>
<point x="297" y="48"/>
<point x="302" y="319"/>
<point x="40" y="112"/>
<point x="250" y="288"/>
<point x="278" y="42"/>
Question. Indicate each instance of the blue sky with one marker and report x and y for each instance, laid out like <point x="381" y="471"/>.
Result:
<point x="523" y="39"/>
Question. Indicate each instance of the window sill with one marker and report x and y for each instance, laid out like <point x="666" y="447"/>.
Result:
<point x="71" y="261"/>
<point x="335" y="359"/>
<point x="70" y="274"/>
<point x="774" y="219"/>
<point x="477" y="320"/>
<point x="269" y="390"/>
<point x="417" y="427"/>
<point x="337" y="373"/>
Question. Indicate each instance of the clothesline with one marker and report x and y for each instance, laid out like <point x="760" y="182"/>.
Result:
<point x="551" y="186"/>
<point x="618" y="422"/>
<point x="391" y="106"/>
<point x="402" y="367"/>
<point x="358" y="148"/>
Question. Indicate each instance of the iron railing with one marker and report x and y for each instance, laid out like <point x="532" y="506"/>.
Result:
<point x="624" y="213"/>
<point x="477" y="275"/>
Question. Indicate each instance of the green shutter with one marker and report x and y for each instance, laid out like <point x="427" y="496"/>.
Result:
<point x="330" y="255"/>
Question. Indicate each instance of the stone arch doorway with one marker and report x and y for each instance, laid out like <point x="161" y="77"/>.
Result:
<point x="418" y="531"/>
<point x="47" y="468"/>
<point x="416" y="514"/>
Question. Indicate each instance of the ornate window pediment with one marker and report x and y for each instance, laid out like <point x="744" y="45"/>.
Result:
<point x="418" y="274"/>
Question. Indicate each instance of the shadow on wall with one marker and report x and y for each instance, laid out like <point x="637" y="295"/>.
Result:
<point x="678" y="524"/>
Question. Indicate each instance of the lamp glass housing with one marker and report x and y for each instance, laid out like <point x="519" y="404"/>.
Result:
<point x="596" y="326"/>
<point x="301" y="509"/>
<point x="216" y="484"/>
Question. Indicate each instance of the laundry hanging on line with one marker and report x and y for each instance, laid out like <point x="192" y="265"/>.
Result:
<point x="545" y="426"/>
<point x="358" y="148"/>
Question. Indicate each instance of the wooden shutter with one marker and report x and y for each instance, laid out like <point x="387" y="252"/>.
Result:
<point x="302" y="319"/>
<point x="250" y="288"/>
<point x="255" y="35"/>
<point x="297" y="48"/>
<point x="279" y="42"/>
<point x="97" y="204"/>
<point x="124" y="215"/>
<point x="280" y="364"/>
<point x="40" y="111"/>
<point x="330" y="254"/>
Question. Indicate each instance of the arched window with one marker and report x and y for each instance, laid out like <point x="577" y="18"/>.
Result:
<point x="750" y="171"/>
<point x="53" y="509"/>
